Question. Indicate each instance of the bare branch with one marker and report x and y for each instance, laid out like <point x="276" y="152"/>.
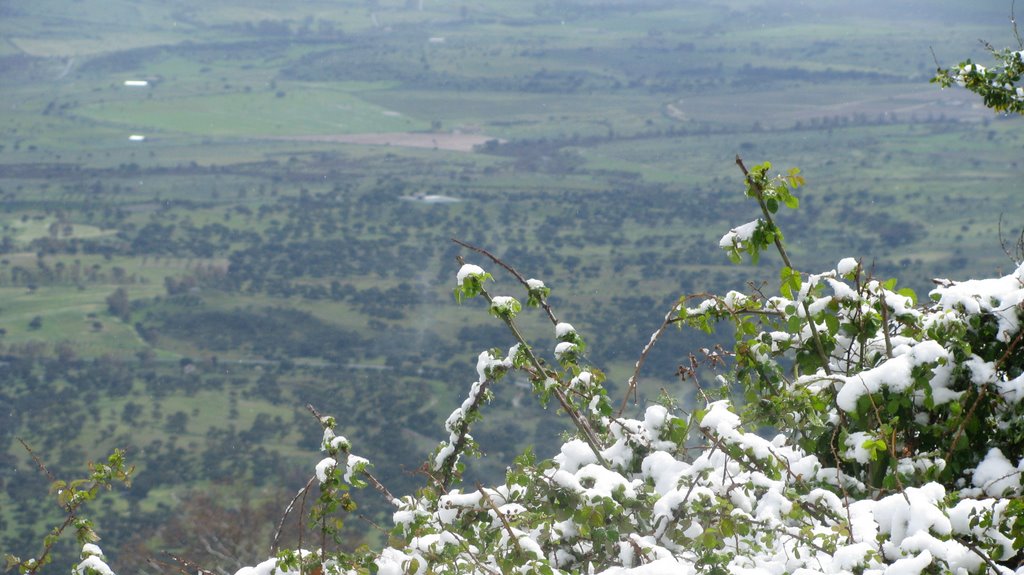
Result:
<point x="291" y="505"/>
<point x="632" y="383"/>
<point x="39" y="462"/>
<point x="188" y="566"/>
<point x="1013" y="22"/>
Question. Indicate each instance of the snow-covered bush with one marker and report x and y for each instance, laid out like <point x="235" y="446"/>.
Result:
<point x="856" y="430"/>
<point x="999" y="86"/>
<point x="851" y="428"/>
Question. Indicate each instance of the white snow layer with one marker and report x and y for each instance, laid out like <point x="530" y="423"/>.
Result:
<point x="738" y="235"/>
<point x="468" y="270"/>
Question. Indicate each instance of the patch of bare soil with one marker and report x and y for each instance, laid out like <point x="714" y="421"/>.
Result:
<point x="452" y="142"/>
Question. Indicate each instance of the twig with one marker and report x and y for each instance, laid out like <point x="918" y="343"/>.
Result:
<point x="188" y="564"/>
<point x="473" y="555"/>
<point x="891" y="441"/>
<point x="580" y="422"/>
<point x="462" y="436"/>
<point x="377" y="485"/>
<point x="383" y="531"/>
<point x="71" y="508"/>
<point x="504" y="520"/>
<point x="938" y="66"/>
<point x="163" y="565"/>
<point x="988" y="560"/>
<point x="39" y="462"/>
<point x="764" y="209"/>
<point x="543" y="302"/>
<point x="1017" y="257"/>
<point x="1013" y="21"/>
<point x="380" y="487"/>
<point x="785" y="259"/>
<point x="1009" y="349"/>
<point x="287" y="511"/>
<point x="885" y="326"/>
<point x="963" y="424"/>
<point x="841" y="483"/>
<point x="632" y="382"/>
<point x="691" y="372"/>
<point x="981" y="393"/>
<point x="302" y="528"/>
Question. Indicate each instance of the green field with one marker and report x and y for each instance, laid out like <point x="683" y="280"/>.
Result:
<point x="282" y="113"/>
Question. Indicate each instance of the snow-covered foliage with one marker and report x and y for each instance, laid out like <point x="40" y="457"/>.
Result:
<point x="856" y="430"/>
<point x="998" y="86"/>
<point x="853" y="429"/>
<point x="92" y="562"/>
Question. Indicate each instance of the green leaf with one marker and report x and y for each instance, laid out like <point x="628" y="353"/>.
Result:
<point x="832" y="322"/>
<point x="791" y="282"/>
<point x="907" y="292"/>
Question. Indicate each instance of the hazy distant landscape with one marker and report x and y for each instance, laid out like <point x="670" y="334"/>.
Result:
<point x="278" y="230"/>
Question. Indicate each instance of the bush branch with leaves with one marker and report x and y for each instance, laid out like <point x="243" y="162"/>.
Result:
<point x="862" y="431"/>
<point x="71" y="496"/>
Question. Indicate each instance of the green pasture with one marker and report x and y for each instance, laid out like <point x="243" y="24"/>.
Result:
<point x="299" y="110"/>
<point x="70" y="314"/>
<point x="27" y="230"/>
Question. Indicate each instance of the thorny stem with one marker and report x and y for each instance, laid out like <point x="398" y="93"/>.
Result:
<point x="670" y="318"/>
<point x="302" y="529"/>
<point x="696" y="381"/>
<point x="859" y="315"/>
<point x="182" y="568"/>
<point x="580" y="422"/>
<point x="472" y="555"/>
<point x="39" y="562"/>
<point x="1009" y="349"/>
<point x="1019" y="248"/>
<point x="323" y="538"/>
<point x="759" y="192"/>
<point x="71" y="508"/>
<point x="967" y="418"/>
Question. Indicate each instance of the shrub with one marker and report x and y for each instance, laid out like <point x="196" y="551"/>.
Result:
<point x="851" y="428"/>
